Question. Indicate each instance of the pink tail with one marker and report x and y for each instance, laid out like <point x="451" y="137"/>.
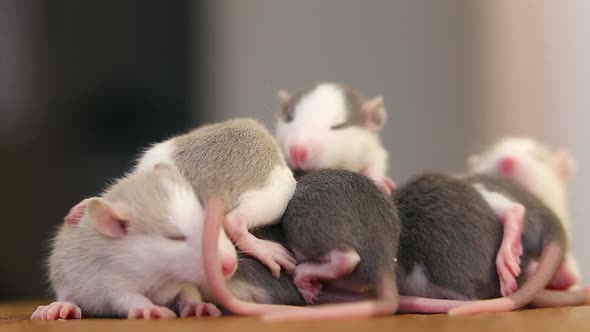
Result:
<point x="213" y="220"/>
<point x="424" y="305"/>
<point x="387" y="304"/>
<point x="567" y="298"/>
<point x="549" y="262"/>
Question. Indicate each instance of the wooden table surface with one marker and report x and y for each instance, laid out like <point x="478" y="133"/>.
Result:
<point x="15" y="317"/>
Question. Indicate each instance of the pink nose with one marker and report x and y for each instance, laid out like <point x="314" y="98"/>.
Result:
<point x="228" y="266"/>
<point x="298" y="153"/>
<point x="507" y="165"/>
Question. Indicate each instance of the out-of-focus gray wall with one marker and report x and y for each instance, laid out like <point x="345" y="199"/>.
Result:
<point x="456" y="75"/>
<point x="417" y="54"/>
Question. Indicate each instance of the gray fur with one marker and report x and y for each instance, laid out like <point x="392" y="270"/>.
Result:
<point x="541" y="224"/>
<point x="337" y="209"/>
<point x="250" y="271"/>
<point x="449" y="229"/>
<point x="227" y="158"/>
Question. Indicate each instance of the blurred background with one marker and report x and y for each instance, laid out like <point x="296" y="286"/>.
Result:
<point x="85" y="85"/>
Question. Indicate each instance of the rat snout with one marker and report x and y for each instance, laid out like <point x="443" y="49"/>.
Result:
<point x="507" y="165"/>
<point x="299" y="154"/>
<point x="229" y="266"/>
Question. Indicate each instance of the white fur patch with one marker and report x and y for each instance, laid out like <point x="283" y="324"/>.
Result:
<point x="267" y="204"/>
<point x="497" y="201"/>
<point x="157" y="153"/>
<point x="185" y="210"/>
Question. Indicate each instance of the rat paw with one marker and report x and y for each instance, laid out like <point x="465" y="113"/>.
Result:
<point x="57" y="310"/>
<point x="198" y="309"/>
<point x="273" y="255"/>
<point x="153" y="312"/>
<point x="308" y="288"/>
<point x="508" y="268"/>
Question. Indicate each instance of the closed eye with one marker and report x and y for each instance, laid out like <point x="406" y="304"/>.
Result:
<point x="340" y="126"/>
<point x="177" y="237"/>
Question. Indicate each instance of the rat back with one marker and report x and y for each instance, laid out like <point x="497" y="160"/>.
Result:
<point x="337" y="209"/>
<point x="541" y="224"/>
<point x="449" y="240"/>
<point x="229" y="157"/>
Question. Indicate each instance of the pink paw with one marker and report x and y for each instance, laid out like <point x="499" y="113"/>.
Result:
<point x="153" y="312"/>
<point x="57" y="310"/>
<point x="198" y="309"/>
<point x="309" y="289"/>
<point x="273" y="255"/>
<point x="508" y="266"/>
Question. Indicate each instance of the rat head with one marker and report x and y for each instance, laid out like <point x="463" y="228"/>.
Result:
<point x="540" y="170"/>
<point x="155" y="222"/>
<point x="317" y="125"/>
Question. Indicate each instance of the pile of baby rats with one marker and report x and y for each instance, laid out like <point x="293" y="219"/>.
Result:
<point x="306" y="224"/>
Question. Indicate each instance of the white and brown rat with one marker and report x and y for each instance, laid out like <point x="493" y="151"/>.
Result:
<point x="239" y="161"/>
<point x="331" y="125"/>
<point x="135" y="251"/>
<point x="545" y="173"/>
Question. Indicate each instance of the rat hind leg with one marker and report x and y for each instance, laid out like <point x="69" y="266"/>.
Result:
<point x="259" y="207"/>
<point x="511" y="215"/>
<point x="308" y="276"/>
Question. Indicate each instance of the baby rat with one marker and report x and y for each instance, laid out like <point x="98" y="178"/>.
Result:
<point x="329" y="125"/>
<point x="135" y="252"/>
<point x="451" y="236"/>
<point x="544" y="173"/>
<point x="239" y="161"/>
<point x="343" y="231"/>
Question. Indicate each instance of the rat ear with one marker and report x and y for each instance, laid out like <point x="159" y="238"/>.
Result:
<point x="109" y="220"/>
<point x="472" y="163"/>
<point x="284" y="97"/>
<point x="375" y="115"/>
<point x="566" y="164"/>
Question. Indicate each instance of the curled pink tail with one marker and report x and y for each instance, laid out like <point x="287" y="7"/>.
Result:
<point x="549" y="262"/>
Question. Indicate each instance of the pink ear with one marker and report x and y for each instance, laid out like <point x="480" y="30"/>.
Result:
<point x="108" y="219"/>
<point x="566" y="164"/>
<point x="375" y="115"/>
<point x="77" y="212"/>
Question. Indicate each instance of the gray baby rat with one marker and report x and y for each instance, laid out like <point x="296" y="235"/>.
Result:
<point x="450" y="237"/>
<point x="343" y="231"/>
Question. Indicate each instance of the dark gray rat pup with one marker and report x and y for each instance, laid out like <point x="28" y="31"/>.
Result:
<point x="343" y="231"/>
<point x="450" y="238"/>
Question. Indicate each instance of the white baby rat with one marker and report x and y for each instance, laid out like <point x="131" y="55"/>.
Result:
<point x="135" y="251"/>
<point x="239" y="161"/>
<point x="329" y="125"/>
<point x="544" y="173"/>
